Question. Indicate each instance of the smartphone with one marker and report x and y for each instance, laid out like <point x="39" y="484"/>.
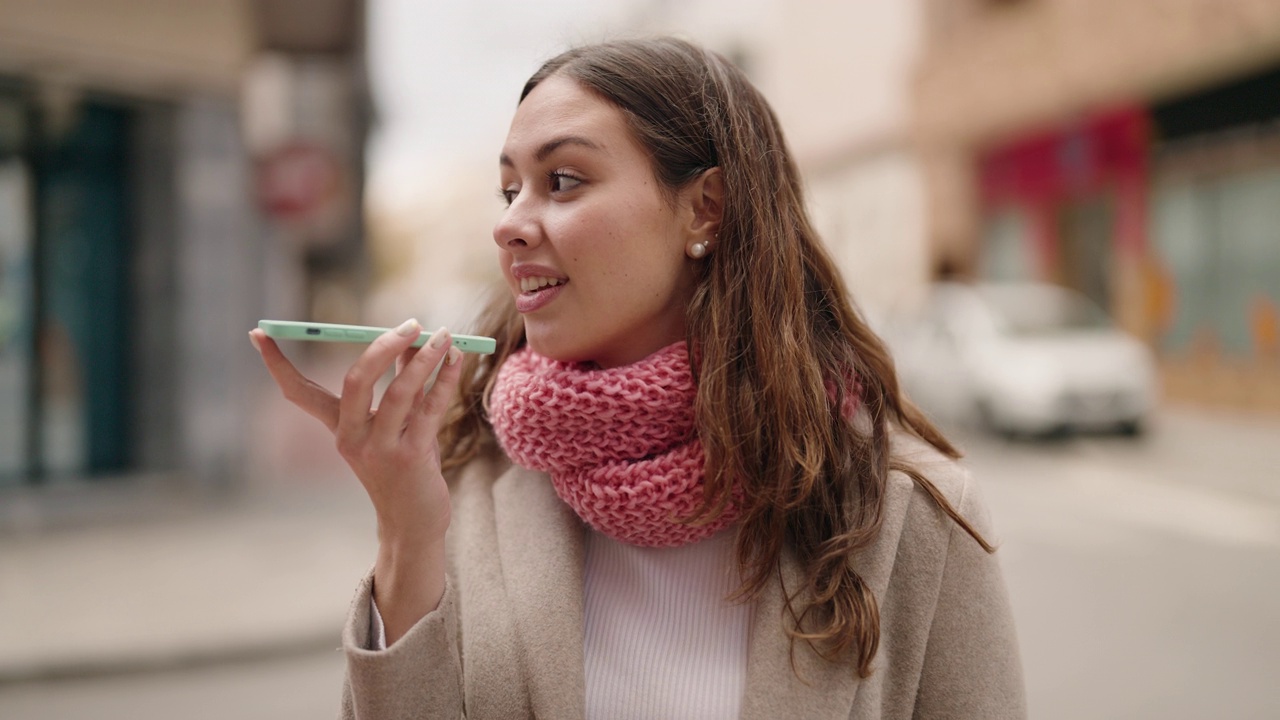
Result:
<point x="328" y="332"/>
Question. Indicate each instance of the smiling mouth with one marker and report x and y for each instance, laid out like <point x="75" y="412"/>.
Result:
<point x="536" y="284"/>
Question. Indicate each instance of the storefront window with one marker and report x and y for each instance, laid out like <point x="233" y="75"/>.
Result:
<point x="1220" y="241"/>
<point x="1183" y="237"/>
<point x="1249" y="217"/>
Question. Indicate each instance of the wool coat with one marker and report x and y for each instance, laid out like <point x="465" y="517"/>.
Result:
<point x="507" y="639"/>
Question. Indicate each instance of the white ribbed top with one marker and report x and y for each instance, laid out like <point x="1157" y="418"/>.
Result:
<point x="660" y="639"/>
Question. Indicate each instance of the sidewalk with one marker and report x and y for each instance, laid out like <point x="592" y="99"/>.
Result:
<point x="256" y="579"/>
<point x="160" y="582"/>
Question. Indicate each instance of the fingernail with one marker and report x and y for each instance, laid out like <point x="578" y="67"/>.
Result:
<point x="439" y="338"/>
<point x="254" y="339"/>
<point x="453" y="357"/>
<point x="408" y="327"/>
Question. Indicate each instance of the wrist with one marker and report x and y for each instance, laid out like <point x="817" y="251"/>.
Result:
<point x="408" y="583"/>
<point x="408" y="534"/>
<point x="399" y="551"/>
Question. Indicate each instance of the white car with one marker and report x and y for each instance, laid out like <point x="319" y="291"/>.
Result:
<point x="1023" y="358"/>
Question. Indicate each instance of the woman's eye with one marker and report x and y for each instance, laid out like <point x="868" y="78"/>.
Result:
<point x="508" y="194"/>
<point x="562" y="181"/>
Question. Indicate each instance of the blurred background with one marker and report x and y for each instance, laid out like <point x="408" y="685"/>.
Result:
<point x="1064" y="216"/>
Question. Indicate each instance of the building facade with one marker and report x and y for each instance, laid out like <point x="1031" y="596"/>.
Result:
<point x="137" y="240"/>
<point x="1127" y="150"/>
<point x="838" y="75"/>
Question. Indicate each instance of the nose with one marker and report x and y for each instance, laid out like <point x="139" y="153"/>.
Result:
<point x="517" y="228"/>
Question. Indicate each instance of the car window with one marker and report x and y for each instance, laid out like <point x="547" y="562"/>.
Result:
<point x="1042" y="310"/>
<point x="961" y="313"/>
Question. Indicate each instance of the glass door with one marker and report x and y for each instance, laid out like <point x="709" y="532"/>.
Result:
<point x="83" y="315"/>
<point x="1087" y="230"/>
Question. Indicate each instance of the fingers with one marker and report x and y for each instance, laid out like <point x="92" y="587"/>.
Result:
<point x="348" y="416"/>
<point x="297" y="388"/>
<point x="358" y="385"/>
<point x="404" y="395"/>
<point x="404" y="359"/>
<point x="425" y="424"/>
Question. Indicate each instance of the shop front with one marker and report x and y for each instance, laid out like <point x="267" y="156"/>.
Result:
<point x="1215" y="229"/>
<point x="65" y="258"/>
<point x="1165" y="215"/>
<point x="1068" y="205"/>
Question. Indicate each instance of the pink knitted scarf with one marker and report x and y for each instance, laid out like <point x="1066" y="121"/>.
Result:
<point x="619" y="444"/>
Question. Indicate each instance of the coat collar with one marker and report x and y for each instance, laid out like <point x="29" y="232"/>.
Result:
<point x="541" y="544"/>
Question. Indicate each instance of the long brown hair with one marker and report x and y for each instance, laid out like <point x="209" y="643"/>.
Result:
<point x="777" y="348"/>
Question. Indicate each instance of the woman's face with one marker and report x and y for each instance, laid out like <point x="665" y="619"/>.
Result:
<point x="591" y="249"/>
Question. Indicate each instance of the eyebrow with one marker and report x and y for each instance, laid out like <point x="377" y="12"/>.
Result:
<point x="551" y="146"/>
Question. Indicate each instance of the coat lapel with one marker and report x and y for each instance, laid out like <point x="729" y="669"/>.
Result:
<point x="541" y="546"/>
<point x="822" y="689"/>
<point x="814" y="689"/>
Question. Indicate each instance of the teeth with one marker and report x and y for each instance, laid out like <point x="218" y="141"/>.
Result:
<point x="531" y="284"/>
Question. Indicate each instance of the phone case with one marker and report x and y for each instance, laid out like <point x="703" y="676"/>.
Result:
<point x="329" y="332"/>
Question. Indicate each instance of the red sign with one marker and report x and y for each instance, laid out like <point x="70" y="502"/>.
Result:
<point x="1067" y="161"/>
<point x="298" y="181"/>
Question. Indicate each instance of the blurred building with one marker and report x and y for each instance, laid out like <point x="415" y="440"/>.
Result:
<point x="169" y="173"/>
<point x="837" y="74"/>
<point x="1129" y="149"/>
<point x="840" y="80"/>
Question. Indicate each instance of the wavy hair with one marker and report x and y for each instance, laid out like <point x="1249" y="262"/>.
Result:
<point x="777" y="348"/>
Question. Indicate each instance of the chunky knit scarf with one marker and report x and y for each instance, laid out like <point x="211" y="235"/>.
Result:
<point x="619" y="444"/>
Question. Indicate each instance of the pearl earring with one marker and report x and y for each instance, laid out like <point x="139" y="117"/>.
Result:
<point x="698" y="249"/>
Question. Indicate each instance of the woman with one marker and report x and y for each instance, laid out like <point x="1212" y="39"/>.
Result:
<point x="687" y="484"/>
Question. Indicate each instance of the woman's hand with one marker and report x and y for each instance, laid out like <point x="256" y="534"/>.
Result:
<point x="393" y="451"/>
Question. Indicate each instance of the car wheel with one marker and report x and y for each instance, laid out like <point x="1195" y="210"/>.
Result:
<point x="1131" y="428"/>
<point x="1057" y="433"/>
<point x="988" y="423"/>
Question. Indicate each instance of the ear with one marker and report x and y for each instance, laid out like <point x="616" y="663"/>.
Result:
<point x="706" y="200"/>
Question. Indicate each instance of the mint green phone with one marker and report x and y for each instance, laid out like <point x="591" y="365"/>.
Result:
<point x="328" y="332"/>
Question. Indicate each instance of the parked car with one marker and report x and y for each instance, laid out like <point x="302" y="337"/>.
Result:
<point x="1023" y="358"/>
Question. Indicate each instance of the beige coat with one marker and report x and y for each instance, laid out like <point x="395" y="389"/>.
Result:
<point x="507" y="639"/>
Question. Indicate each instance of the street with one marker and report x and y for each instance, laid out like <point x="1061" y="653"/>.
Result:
<point x="1144" y="576"/>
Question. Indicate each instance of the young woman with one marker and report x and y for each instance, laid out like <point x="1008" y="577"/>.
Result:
<point x="687" y="484"/>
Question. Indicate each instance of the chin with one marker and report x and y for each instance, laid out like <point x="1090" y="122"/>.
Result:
<point x="550" y="344"/>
